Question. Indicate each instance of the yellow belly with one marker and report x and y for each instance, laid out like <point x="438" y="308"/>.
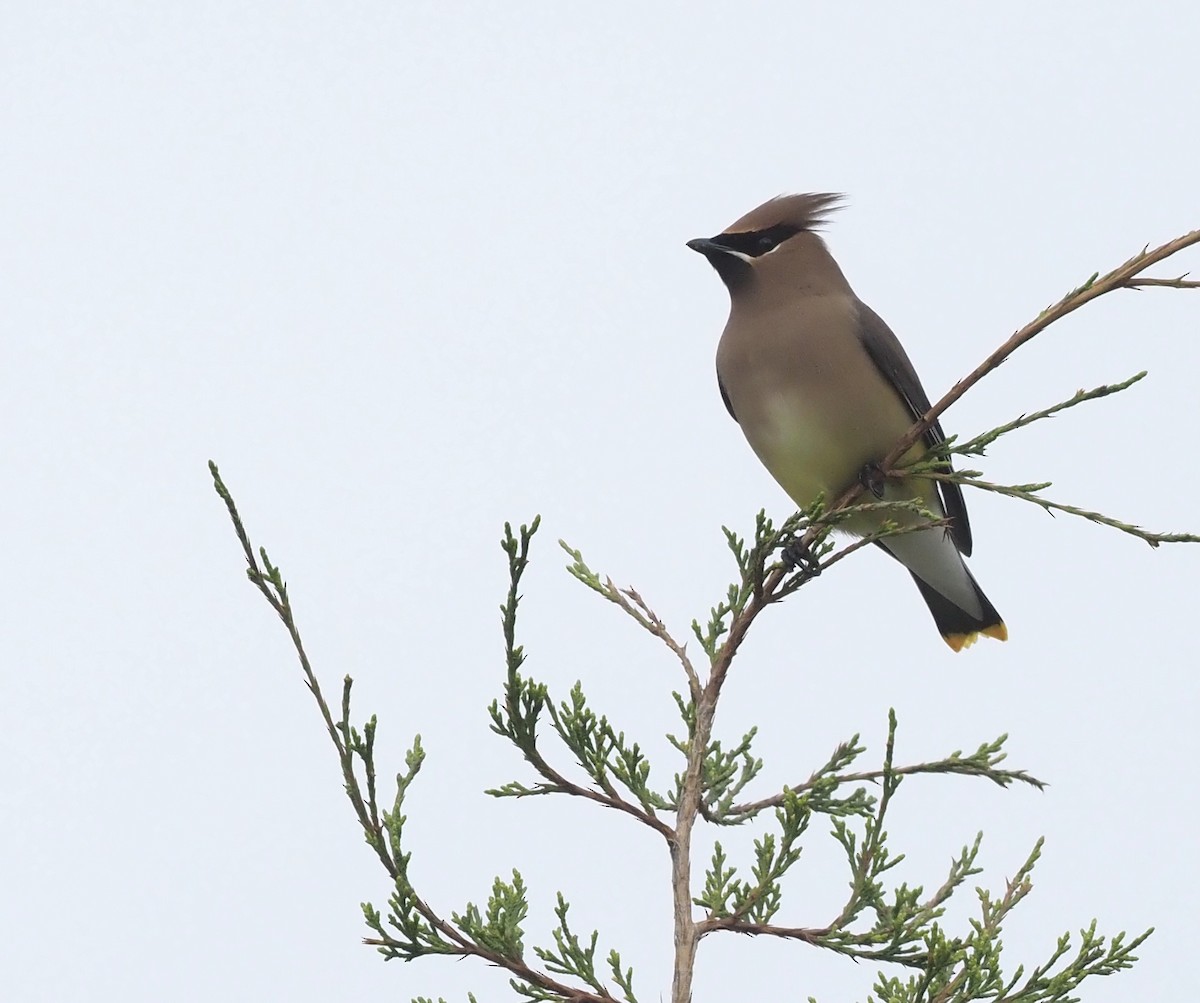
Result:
<point x="816" y="447"/>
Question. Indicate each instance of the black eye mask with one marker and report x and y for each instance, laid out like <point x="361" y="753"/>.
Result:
<point x="757" y="242"/>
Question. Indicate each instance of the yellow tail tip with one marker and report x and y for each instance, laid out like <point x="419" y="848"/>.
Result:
<point x="959" y="641"/>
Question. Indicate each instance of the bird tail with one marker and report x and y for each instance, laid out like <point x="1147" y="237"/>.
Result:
<point x="960" y="609"/>
<point x="959" y="627"/>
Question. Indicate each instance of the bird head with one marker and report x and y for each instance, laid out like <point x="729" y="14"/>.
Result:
<point x="775" y="236"/>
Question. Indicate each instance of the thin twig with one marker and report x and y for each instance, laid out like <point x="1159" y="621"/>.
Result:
<point x="281" y="604"/>
<point x="808" y="935"/>
<point x="609" y="798"/>
<point x="1022" y="493"/>
<point x="815" y="936"/>
<point x="887" y="533"/>
<point x="644" y="615"/>
<point x="267" y="579"/>
<point x="569" y="994"/>
<point x="1121" y="277"/>
<point x="1179" y="283"/>
<point x="957" y="767"/>
<point x="976" y="446"/>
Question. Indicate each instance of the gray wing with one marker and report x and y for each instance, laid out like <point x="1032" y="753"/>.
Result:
<point x="725" y="398"/>
<point x="892" y="361"/>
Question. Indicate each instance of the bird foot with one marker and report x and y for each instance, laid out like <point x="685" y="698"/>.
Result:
<point x="797" y="555"/>
<point x="872" y="478"/>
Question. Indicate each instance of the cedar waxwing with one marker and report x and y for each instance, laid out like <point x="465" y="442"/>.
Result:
<point x="822" y="390"/>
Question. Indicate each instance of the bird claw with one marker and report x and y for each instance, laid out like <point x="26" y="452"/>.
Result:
<point x="871" y="477"/>
<point x="797" y="555"/>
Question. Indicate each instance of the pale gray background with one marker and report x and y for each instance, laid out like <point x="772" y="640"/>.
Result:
<point x="409" y="270"/>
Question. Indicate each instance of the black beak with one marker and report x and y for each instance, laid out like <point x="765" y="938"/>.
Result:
<point x="706" y="246"/>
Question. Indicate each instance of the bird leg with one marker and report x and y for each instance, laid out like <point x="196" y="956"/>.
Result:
<point x="872" y="478"/>
<point x="798" y="555"/>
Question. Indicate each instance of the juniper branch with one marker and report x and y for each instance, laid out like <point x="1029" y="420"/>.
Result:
<point x="592" y="739"/>
<point x="635" y="607"/>
<point x="1030" y="493"/>
<point x="903" y="931"/>
<point x="984" y="762"/>
<point x="1183" y="282"/>
<point x="268" y="579"/>
<point x="976" y="446"/>
<point x="422" y="931"/>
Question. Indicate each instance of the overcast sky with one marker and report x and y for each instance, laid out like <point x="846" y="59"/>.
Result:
<point x="409" y="270"/>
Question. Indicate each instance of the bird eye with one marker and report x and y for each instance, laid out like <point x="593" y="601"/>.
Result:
<point x="756" y="243"/>
<point x="771" y="238"/>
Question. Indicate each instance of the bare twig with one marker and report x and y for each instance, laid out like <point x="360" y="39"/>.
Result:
<point x="1124" y="276"/>
<point x="807" y="935"/>
<point x="636" y="607"/>
<point x="644" y="615"/>
<point x="1180" y="283"/>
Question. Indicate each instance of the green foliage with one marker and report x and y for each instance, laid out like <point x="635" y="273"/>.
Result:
<point x="900" y="927"/>
<point x="1032" y="493"/>
<point x="573" y="958"/>
<point x="500" y="931"/>
<point x="896" y="926"/>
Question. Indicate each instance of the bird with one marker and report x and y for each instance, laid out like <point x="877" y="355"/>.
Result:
<point x="823" y="390"/>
